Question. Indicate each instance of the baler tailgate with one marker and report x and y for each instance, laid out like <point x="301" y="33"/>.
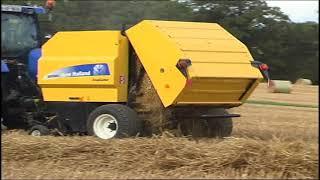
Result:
<point x="221" y="71"/>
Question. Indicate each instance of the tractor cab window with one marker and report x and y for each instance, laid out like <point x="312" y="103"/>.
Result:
<point x="18" y="34"/>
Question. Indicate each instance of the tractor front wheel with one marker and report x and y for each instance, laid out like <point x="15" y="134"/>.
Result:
<point x="39" y="130"/>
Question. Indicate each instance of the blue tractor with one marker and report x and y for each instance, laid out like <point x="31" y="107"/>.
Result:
<point x="20" y="51"/>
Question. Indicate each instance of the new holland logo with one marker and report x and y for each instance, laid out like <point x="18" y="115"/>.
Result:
<point x="80" y="71"/>
<point x="99" y="69"/>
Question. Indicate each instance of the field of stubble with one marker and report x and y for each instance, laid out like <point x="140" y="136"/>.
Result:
<point x="267" y="142"/>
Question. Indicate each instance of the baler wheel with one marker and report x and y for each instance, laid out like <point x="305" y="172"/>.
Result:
<point x="193" y="127"/>
<point x="113" y="121"/>
<point x="220" y="127"/>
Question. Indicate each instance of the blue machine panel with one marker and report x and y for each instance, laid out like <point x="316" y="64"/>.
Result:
<point x="33" y="58"/>
<point x="4" y="67"/>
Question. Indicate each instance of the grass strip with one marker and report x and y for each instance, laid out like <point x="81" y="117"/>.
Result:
<point x="280" y="103"/>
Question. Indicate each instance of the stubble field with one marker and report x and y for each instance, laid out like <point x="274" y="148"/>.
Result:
<point x="268" y="141"/>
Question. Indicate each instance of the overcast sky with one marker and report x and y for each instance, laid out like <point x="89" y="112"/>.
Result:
<point x="298" y="11"/>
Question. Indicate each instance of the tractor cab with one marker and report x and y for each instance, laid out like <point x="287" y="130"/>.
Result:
<point x="19" y="31"/>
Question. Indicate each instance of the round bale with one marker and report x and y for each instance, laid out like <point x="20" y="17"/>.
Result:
<point x="280" y="86"/>
<point x="302" y="81"/>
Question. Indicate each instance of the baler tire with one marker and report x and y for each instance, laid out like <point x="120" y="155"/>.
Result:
<point x="220" y="127"/>
<point x="39" y="130"/>
<point x="125" y="119"/>
<point x="194" y="127"/>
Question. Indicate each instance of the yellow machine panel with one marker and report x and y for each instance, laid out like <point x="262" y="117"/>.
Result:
<point x="221" y="71"/>
<point x="86" y="66"/>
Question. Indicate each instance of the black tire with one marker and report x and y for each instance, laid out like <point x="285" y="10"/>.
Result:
<point x="3" y="127"/>
<point x="128" y="123"/>
<point x="194" y="127"/>
<point x="220" y="127"/>
<point x="39" y="130"/>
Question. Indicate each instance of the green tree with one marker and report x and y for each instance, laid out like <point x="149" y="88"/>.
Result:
<point x="93" y="15"/>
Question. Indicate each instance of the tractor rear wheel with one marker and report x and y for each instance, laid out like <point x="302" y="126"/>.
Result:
<point x="220" y="127"/>
<point x="3" y="127"/>
<point x="113" y="121"/>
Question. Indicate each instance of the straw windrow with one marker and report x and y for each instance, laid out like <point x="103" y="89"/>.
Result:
<point x="160" y="157"/>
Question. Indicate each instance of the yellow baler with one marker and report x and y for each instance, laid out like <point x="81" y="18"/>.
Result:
<point x="189" y="65"/>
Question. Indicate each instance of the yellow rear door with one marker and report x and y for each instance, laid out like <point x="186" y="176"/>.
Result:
<point x="221" y="70"/>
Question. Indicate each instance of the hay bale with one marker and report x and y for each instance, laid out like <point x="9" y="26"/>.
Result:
<point x="150" y="108"/>
<point x="280" y="86"/>
<point x="302" y="81"/>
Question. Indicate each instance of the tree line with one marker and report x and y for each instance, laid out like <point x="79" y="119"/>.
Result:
<point x="289" y="48"/>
